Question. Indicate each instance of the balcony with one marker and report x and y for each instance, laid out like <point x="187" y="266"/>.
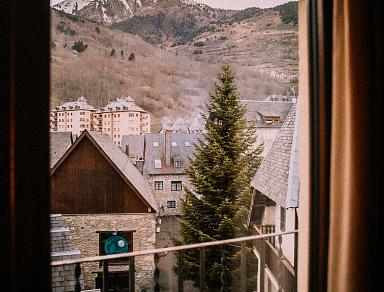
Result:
<point x="271" y="257"/>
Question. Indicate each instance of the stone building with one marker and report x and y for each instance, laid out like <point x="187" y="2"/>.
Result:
<point x="63" y="277"/>
<point x="163" y="159"/>
<point x="274" y="208"/>
<point x="102" y="196"/>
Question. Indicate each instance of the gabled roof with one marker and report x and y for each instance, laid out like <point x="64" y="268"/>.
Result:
<point x="277" y="177"/>
<point x="59" y="143"/>
<point x="256" y="109"/>
<point x="120" y="162"/>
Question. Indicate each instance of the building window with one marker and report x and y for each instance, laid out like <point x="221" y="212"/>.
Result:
<point x="171" y="204"/>
<point x="283" y="216"/>
<point x="158" y="185"/>
<point x="174" y="144"/>
<point x="131" y="115"/>
<point x="178" y="164"/>
<point x="176" y="186"/>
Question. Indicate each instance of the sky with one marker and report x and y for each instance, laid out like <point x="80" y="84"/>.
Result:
<point x="242" y="4"/>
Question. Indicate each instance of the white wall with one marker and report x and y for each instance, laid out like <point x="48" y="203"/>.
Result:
<point x="288" y="241"/>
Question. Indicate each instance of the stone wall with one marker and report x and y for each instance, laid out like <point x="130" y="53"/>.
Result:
<point x="84" y="230"/>
<point x="63" y="277"/>
<point x="166" y="194"/>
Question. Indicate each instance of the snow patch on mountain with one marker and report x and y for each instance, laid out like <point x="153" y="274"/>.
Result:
<point x="71" y="6"/>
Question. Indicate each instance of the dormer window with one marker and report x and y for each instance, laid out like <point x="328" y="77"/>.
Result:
<point x="187" y="144"/>
<point x="155" y="144"/>
<point x="174" y="144"/>
<point x="178" y="164"/>
<point x="158" y="164"/>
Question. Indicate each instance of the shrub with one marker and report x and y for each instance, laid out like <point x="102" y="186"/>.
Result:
<point x="65" y="28"/>
<point x="79" y="46"/>
<point x="113" y="52"/>
<point x="199" y="44"/>
<point x="197" y="52"/>
<point x="97" y="29"/>
<point x="131" y="57"/>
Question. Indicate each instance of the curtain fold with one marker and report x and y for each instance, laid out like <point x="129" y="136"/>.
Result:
<point x="350" y="251"/>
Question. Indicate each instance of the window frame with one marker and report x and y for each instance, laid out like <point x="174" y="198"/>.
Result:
<point x="171" y="204"/>
<point x="157" y="184"/>
<point x="176" y="186"/>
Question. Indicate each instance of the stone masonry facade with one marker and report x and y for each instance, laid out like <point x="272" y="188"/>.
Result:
<point x="85" y="237"/>
<point x="162" y="197"/>
<point x="63" y="277"/>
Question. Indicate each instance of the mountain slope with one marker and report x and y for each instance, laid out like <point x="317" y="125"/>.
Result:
<point x="114" y="64"/>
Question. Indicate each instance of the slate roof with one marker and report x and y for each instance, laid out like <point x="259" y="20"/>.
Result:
<point x="122" y="104"/>
<point x="120" y="160"/>
<point x="135" y="143"/>
<point x="59" y="143"/>
<point x="81" y="103"/>
<point x="256" y="109"/>
<point x="179" y="152"/>
<point x="275" y="97"/>
<point x="277" y="176"/>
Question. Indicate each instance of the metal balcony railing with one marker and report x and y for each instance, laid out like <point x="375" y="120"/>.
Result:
<point x="130" y="256"/>
<point x="270" y="255"/>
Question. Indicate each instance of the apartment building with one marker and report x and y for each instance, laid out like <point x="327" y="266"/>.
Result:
<point x="119" y="117"/>
<point x="73" y="116"/>
<point x="123" y="117"/>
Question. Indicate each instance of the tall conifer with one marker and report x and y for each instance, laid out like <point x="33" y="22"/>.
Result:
<point x="220" y="173"/>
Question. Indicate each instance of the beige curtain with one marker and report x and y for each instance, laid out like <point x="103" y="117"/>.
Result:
<point x="349" y="260"/>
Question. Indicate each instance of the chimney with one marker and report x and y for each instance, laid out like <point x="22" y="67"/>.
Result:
<point x="167" y="147"/>
<point x="140" y="165"/>
<point x="127" y="150"/>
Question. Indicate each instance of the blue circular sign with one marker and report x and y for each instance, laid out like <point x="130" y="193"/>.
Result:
<point x="115" y="244"/>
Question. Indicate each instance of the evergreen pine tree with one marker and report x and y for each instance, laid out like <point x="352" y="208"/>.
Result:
<point x="220" y="173"/>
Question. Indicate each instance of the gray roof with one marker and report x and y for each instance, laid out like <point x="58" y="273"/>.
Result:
<point x="80" y="104"/>
<point x="135" y="145"/>
<point x="122" y="162"/>
<point x="59" y="144"/>
<point x="180" y="151"/>
<point x="277" y="176"/>
<point x="275" y="97"/>
<point x="122" y="104"/>
<point x="256" y="109"/>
